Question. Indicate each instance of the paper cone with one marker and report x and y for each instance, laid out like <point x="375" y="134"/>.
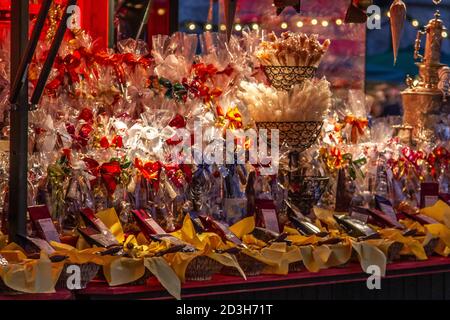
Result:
<point x="230" y="12"/>
<point x="398" y="17"/>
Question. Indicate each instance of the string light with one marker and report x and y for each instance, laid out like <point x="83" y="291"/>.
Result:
<point x="325" y="23"/>
<point x="223" y="27"/>
<point x="415" y="23"/>
<point x="388" y="14"/>
<point x="314" y="22"/>
<point x="238" y="27"/>
<point x="284" y="25"/>
<point x="161" y="11"/>
<point x="208" y="26"/>
<point x="255" y="26"/>
<point x="339" y="22"/>
<point x="299" y="24"/>
<point x="192" y="26"/>
<point x="444" y="34"/>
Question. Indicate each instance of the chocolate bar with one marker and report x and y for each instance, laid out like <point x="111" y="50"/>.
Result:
<point x="42" y="222"/>
<point x="172" y="249"/>
<point x="147" y="223"/>
<point x="221" y="229"/>
<point x="306" y="228"/>
<point x="153" y="231"/>
<point x="356" y="228"/>
<point x="302" y="223"/>
<point x="96" y="238"/>
<point x="92" y="221"/>
<point x="197" y="222"/>
<point x="33" y="246"/>
<point x="429" y="194"/>
<point x="264" y="234"/>
<point x="385" y="206"/>
<point x="385" y="220"/>
<point x="267" y="236"/>
<point x="173" y="241"/>
<point x="294" y="210"/>
<point x="421" y="218"/>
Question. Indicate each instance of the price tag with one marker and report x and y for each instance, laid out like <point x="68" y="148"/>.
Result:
<point x="360" y="216"/>
<point x="48" y="230"/>
<point x="270" y="220"/>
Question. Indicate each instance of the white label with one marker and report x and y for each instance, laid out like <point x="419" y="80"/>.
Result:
<point x="430" y="201"/>
<point x="101" y="239"/>
<point x="270" y="220"/>
<point x="152" y="223"/>
<point x="360" y="216"/>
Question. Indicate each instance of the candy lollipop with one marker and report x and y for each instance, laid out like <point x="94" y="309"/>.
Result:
<point x="398" y="16"/>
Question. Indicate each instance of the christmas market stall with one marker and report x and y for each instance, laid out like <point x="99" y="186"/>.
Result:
<point x="139" y="161"/>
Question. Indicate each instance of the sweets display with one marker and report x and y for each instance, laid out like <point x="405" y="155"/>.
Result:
<point x="126" y="179"/>
<point x="292" y="49"/>
<point x="264" y="103"/>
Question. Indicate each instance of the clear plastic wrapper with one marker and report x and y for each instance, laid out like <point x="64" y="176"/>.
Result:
<point x="308" y="102"/>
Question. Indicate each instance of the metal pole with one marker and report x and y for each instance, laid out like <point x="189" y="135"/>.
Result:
<point x="111" y="28"/>
<point x="174" y="16"/>
<point x="29" y="52"/>
<point x="18" y="175"/>
<point x="144" y="20"/>
<point x="52" y="53"/>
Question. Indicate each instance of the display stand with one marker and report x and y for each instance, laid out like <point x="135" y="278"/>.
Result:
<point x="59" y="295"/>
<point x="404" y="280"/>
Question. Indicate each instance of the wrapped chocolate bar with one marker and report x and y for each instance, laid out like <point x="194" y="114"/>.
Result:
<point x="356" y="228"/>
<point x="97" y="238"/>
<point x="385" y="220"/>
<point x="221" y="229"/>
<point x="41" y="219"/>
<point x="384" y="205"/>
<point x="302" y="223"/>
<point x="268" y="236"/>
<point x="154" y="232"/>
<point x="33" y="246"/>
<point x="94" y="223"/>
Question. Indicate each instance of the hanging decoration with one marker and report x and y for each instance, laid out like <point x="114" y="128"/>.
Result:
<point x="230" y="13"/>
<point x="398" y="17"/>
